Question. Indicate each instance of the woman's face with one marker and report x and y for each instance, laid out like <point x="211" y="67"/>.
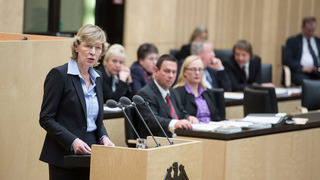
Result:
<point x="113" y="64"/>
<point x="194" y="72"/>
<point x="149" y="62"/>
<point x="88" y="53"/>
<point x="201" y="37"/>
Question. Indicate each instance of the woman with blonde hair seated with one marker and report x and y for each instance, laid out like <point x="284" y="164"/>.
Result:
<point x="117" y="81"/>
<point x="196" y="99"/>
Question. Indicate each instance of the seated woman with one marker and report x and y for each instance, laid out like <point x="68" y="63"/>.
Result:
<point x="117" y="81"/>
<point x="142" y="69"/>
<point x="200" y="33"/>
<point x="243" y="67"/>
<point x="196" y="99"/>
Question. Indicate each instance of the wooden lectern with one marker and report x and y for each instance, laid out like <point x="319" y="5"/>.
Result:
<point x="118" y="163"/>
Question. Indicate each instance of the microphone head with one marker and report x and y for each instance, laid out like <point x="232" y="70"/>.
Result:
<point x="112" y="103"/>
<point x="125" y="101"/>
<point x="137" y="99"/>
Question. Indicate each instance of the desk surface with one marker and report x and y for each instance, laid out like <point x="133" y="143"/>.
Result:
<point x="314" y="122"/>
<point x="235" y="102"/>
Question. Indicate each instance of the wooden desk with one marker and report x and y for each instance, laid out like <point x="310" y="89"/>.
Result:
<point x="285" y="152"/>
<point x="234" y="108"/>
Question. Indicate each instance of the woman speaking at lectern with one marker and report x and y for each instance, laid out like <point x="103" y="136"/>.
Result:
<point x="72" y="106"/>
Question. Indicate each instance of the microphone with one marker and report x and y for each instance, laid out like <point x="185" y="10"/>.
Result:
<point x="127" y="102"/>
<point x="113" y="104"/>
<point x="139" y="100"/>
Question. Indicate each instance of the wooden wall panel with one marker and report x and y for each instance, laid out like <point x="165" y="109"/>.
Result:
<point x="11" y="16"/>
<point x="24" y="66"/>
<point x="265" y="23"/>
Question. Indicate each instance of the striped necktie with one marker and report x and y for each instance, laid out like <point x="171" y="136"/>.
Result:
<point x="173" y="113"/>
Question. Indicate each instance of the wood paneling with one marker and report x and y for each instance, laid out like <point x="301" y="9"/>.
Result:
<point x="11" y="16"/>
<point x="24" y="66"/>
<point x="265" y="23"/>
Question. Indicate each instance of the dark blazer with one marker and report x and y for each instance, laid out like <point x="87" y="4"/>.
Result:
<point x="189" y="103"/>
<point x="220" y="79"/>
<point x="292" y="55"/>
<point x="150" y="93"/>
<point x="63" y="114"/>
<point x="237" y="77"/>
<point x="122" y="88"/>
<point x="184" y="52"/>
<point x="138" y="78"/>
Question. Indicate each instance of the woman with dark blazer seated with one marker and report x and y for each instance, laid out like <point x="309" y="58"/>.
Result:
<point x="243" y="67"/>
<point x="72" y="106"/>
<point x="196" y="99"/>
<point x="116" y="77"/>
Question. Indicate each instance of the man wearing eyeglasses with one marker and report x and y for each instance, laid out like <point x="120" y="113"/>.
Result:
<point x="215" y="75"/>
<point x="164" y="101"/>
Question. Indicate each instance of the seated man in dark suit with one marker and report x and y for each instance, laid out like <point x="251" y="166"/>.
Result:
<point x="243" y="67"/>
<point x="215" y="75"/>
<point x="301" y="53"/>
<point x="164" y="101"/>
<point x="117" y="81"/>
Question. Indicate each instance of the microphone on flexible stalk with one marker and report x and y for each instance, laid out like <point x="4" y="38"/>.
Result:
<point x="113" y="104"/>
<point x="139" y="100"/>
<point x="124" y="101"/>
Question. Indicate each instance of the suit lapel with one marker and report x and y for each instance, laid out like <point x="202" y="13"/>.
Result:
<point x="163" y="105"/>
<point x="99" y="93"/>
<point x="77" y="85"/>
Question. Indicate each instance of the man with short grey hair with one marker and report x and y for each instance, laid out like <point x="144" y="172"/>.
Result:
<point x="215" y="75"/>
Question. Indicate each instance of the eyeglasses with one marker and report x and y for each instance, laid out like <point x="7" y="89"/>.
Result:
<point x="89" y="47"/>
<point x="200" y="70"/>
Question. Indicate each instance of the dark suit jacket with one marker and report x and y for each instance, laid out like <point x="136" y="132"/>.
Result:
<point x="220" y="79"/>
<point x="184" y="52"/>
<point x="122" y="88"/>
<point x="150" y="93"/>
<point x="63" y="114"/>
<point x="189" y="103"/>
<point x="292" y="55"/>
<point x="236" y="75"/>
<point x="138" y="78"/>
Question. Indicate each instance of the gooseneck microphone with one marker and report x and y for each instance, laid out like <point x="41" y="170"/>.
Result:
<point x="127" y="102"/>
<point x="113" y="104"/>
<point x="139" y="100"/>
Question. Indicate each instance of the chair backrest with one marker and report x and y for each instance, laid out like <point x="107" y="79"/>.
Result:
<point x="272" y="94"/>
<point x="311" y="94"/>
<point x="220" y="102"/>
<point x="266" y="73"/>
<point x="257" y="101"/>
<point x="286" y="73"/>
<point x="129" y="132"/>
<point x="223" y="54"/>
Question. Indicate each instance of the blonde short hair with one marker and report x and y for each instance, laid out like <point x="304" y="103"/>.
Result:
<point x="115" y="50"/>
<point x="186" y="63"/>
<point x="90" y="34"/>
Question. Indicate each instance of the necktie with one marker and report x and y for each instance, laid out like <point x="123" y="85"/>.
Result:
<point x="244" y="74"/>
<point x="171" y="108"/>
<point x="208" y="79"/>
<point x="314" y="57"/>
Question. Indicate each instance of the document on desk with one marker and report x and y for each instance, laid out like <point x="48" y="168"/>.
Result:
<point x="265" y="118"/>
<point x="205" y="127"/>
<point x="233" y="95"/>
<point x="213" y="126"/>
